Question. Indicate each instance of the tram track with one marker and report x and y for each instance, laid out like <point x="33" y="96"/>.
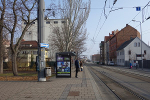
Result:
<point x="120" y="91"/>
<point x="143" y="78"/>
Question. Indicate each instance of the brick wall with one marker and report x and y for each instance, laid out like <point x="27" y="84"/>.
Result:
<point x="126" y="34"/>
<point x="120" y="37"/>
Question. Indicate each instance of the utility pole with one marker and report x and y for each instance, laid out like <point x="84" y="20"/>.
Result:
<point x="41" y="50"/>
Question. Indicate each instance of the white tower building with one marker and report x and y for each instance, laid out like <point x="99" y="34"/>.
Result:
<point x="49" y="25"/>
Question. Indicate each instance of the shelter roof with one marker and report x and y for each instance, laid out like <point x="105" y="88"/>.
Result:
<point x="67" y="53"/>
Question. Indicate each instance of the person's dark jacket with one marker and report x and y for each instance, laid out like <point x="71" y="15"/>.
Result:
<point x="77" y="64"/>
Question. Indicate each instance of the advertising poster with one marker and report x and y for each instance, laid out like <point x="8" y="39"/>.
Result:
<point x="63" y="66"/>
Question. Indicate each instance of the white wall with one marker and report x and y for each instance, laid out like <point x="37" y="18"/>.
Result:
<point x="31" y="33"/>
<point x="137" y="50"/>
<point x="134" y="51"/>
<point x="120" y="57"/>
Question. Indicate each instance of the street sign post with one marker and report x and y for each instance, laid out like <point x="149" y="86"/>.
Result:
<point x="41" y="50"/>
<point x="44" y="45"/>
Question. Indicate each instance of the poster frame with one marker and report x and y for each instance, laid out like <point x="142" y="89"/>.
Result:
<point x="60" y="57"/>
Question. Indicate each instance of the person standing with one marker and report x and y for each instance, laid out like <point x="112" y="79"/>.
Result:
<point x="137" y="65"/>
<point x="130" y="64"/>
<point x="77" y="67"/>
<point x="81" y="65"/>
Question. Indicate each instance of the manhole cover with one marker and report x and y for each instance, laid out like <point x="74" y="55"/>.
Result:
<point x="73" y="93"/>
<point x="28" y="97"/>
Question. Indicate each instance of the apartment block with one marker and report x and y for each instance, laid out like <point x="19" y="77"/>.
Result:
<point x="49" y="25"/>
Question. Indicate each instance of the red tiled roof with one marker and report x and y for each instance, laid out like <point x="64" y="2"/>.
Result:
<point x="33" y="43"/>
<point x="30" y="45"/>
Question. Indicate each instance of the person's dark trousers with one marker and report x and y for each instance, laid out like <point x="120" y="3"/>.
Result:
<point x="76" y="72"/>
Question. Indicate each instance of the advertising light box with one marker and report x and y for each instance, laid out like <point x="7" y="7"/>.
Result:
<point x="63" y="64"/>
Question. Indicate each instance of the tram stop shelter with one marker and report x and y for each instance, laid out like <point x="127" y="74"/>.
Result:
<point x="63" y="64"/>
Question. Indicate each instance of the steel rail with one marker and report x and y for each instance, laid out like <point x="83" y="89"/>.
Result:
<point x="105" y="84"/>
<point x="124" y="87"/>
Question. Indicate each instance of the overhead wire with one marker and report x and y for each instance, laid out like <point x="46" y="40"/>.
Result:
<point x="137" y="15"/>
<point x="106" y="16"/>
<point x="104" y="22"/>
<point x="98" y="22"/>
<point x="95" y="32"/>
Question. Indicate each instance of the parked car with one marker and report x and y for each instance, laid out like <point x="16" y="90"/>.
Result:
<point x="96" y="62"/>
<point x="111" y="63"/>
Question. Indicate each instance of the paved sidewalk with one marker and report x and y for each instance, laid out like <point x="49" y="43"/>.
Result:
<point x="81" y="88"/>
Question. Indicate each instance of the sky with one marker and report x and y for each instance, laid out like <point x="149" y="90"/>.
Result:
<point x="100" y="24"/>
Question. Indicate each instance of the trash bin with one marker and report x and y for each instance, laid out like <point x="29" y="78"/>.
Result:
<point x="48" y="71"/>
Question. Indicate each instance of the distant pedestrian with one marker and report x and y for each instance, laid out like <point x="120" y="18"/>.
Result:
<point x="130" y="65"/>
<point x="137" y="65"/>
<point x="77" y="67"/>
<point x="81" y="65"/>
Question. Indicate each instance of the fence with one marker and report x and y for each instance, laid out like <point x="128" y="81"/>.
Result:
<point x="146" y="63"/>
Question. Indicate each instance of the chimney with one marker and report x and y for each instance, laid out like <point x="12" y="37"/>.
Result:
<point x="113" y="32"/>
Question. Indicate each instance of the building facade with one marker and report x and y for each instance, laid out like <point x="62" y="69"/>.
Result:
<point x="6" y="44"/>
<point x="130" y="51"/>
<point x="95" y="58"/>
<point x="27" y="53"/>
<point x="102" y="52"/>
<point x="119" y="38"/>
<point x="49" y="25"/>
<point x="106" y="46"/>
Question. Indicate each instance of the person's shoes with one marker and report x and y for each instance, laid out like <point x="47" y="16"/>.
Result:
<point x="76" y="77"/>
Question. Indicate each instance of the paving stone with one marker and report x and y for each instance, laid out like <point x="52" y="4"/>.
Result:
<point x="55" y="89"/>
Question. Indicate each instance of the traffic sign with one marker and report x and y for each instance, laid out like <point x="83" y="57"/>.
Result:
<point x="44" y="45"/>
<point x="138" y="8"/>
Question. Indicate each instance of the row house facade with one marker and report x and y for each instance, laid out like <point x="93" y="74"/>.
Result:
<point x="130" y="52"/>
<point x="119" y="38"/>
<point x="28" y="51"/>
<point x="95" y="57"/>
<point x="101" y="52"/>
<point x="106" y="46"/>
<point x="115" y="40"/>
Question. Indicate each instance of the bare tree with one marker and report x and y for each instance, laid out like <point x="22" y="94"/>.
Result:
<point x="72" y="34"/>
<point x="2" y="13"/>
<point x="18" y="11"/>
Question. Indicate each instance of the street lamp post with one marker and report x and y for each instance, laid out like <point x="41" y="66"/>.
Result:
<point x="141" y="41"/>
<point x="41" y="50"/>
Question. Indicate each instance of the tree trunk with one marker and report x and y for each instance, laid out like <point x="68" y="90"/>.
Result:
<point x="1" y="34"/>
<point x="1" y="63"/>
<point x="14" y="64"/>
<point x="1" y="51"/>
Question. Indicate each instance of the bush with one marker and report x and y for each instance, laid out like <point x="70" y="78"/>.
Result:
<point x="5" y="65"/>
<point x="50" y="64"/>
